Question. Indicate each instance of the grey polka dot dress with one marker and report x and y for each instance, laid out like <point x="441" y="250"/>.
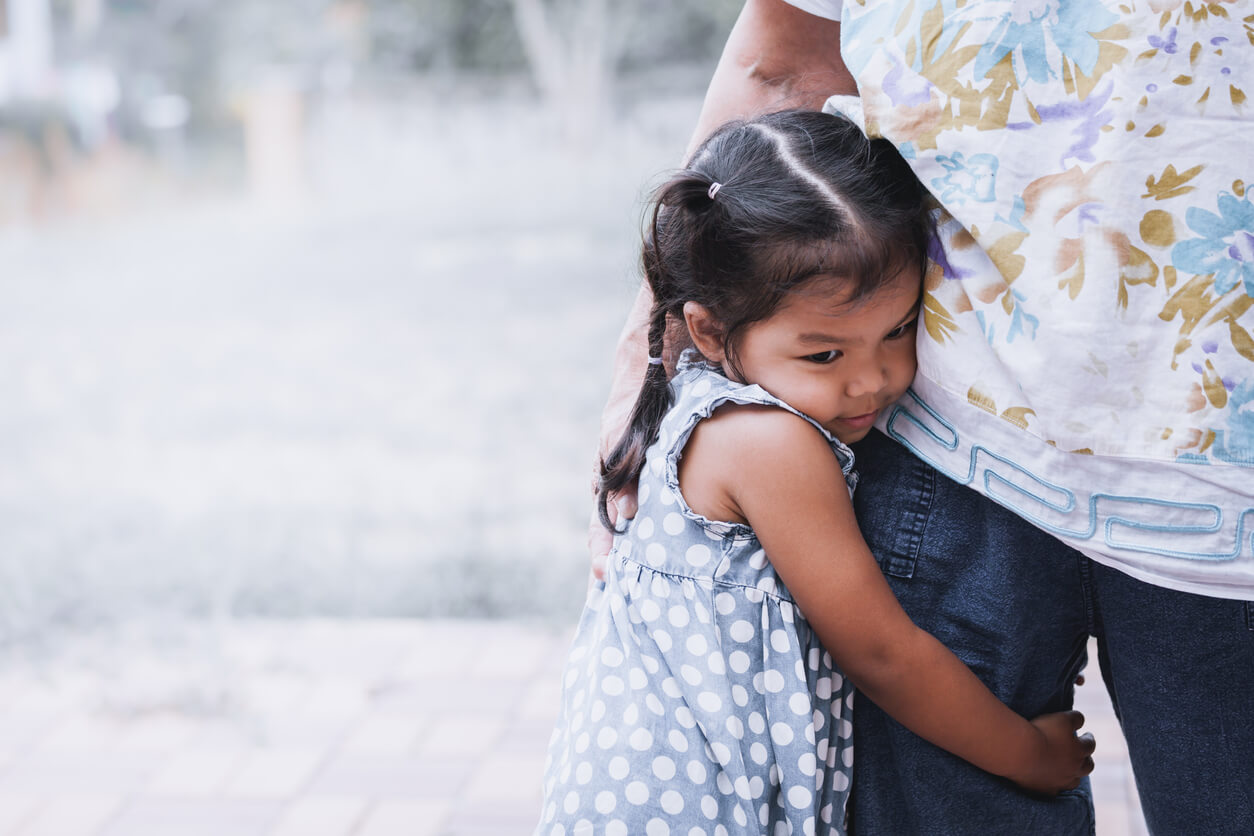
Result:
<point x="697" y="699"/>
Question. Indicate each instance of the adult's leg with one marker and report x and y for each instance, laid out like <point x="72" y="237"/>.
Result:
<point x="1008" y="600"/>
<point x="1180" y="671"/>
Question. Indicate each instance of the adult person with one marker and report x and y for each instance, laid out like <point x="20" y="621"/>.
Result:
<point x="1078" y="445"/>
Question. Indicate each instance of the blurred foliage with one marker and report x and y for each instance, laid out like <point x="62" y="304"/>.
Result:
<point x="444" y="35"/>
<point x="181" y="40"/>
<point x="209" y="52"/>
<point x="481" y="35"/>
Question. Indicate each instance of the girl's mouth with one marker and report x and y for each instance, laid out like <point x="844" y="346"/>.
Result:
<point x="859" y="422"/>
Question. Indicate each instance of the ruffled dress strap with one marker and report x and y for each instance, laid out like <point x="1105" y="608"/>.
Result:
<point x="700" y="388"/>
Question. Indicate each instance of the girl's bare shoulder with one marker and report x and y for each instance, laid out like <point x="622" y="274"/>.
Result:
<point x="748" y="443"/>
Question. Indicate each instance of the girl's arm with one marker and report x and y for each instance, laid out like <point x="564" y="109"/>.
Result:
<point x="784" y="481"/>
<point x="776" y="57"/>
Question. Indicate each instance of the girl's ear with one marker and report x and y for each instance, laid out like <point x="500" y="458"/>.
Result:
<point x="706" y="332"/>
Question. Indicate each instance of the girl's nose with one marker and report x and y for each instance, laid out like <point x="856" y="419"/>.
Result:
<point x="868" y="379"/>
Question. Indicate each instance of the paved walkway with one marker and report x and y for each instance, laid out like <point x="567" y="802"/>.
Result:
<point x="314" y="728"/>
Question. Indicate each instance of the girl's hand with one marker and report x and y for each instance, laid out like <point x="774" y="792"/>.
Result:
<point x="622" y="506"/>
<point x="630" y="362"/>
<point x="1063" y="756"/>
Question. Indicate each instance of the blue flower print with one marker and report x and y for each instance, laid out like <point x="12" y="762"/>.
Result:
<point x="906" y="89"/>
<point x="973" y="179"/>
<point x="1226" y="245"/>
<point x="1236" y="443"/>
<point x="1168" y="44"/>
<point x="1068" y="24"/>
<point x="1021" y="323"/>
<point x="1088" y="118"/>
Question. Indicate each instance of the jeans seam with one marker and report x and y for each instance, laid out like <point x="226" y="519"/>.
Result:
<point x="904" y="556"/>
<point x="1249" y="615"/>
<point x="1091" y="613"/>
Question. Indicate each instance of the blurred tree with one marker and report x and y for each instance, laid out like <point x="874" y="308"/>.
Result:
<point x="574" y="51"/>
<point x="572" y="47"/>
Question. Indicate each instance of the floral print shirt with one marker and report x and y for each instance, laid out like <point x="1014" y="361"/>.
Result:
<point x="1088" y="351"/>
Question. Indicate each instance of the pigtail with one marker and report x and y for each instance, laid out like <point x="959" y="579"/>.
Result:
<point x="624" y="463"/>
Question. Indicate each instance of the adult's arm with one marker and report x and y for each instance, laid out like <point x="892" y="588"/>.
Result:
<point x="776" y="57"/>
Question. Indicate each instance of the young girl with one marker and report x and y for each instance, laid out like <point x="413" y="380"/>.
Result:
<point x="710" y="686"/>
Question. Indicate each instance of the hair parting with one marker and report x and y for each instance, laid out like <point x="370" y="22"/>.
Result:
<point x="763" y="208"/>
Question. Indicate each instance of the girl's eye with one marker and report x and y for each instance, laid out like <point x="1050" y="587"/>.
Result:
<point x="902" y="330"/>
<point x="823" y="356"/>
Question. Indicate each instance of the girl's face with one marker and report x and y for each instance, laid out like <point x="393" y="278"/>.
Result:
<point x="840" y="364"/>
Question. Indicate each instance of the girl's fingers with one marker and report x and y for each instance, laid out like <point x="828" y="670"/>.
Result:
<point x="599" y="543"/>
<point x="625" y="504"/>
<point x="621" y="506"/>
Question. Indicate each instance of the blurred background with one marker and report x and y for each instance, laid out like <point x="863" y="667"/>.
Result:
<point x="307" y="307"/>
<point x="306" y="318"/>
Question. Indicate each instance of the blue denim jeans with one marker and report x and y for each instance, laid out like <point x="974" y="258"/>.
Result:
<point x="1018" y="607"/>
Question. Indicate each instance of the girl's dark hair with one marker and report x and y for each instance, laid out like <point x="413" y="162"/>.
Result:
<point x="803" y="195"/>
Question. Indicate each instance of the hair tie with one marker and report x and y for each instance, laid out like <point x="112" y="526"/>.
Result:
<point x="655" y="361"/>
<point x="714" y="187"/>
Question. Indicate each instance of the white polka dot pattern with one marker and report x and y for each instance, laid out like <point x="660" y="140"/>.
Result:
<point x="696" y="698"/>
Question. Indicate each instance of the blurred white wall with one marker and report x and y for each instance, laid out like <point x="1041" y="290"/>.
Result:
<point x="25" y="49"/>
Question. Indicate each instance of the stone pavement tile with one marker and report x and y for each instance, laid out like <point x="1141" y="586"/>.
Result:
<point x="82" y="731"/>
<point x="507" y="779"/>
<point x="445" y="693"/>
<point x="406" y="818"/>
<point x="1110" y="801"/>
<point x="542" y="697"/>
<point x="355" y="650"/>
<point x="193" y="817"/>
<point x="21" y="730"/>
<point x="292" y="730"/>
<point x="526" y="737"/>
<point x="1112" y="818"/>
<point x="460" y="648"/>
<point x="15" y="810"/>
<point x="436" y="660"/>
<point x="507" y="818"/>
<point x="1132" y="806"/>
<point x="157" y="734"/>
<point x="320" y="817"/>
<point x="81" y="815"/>
<point x="272" y="773"/>
<point x="269" y="692"/>
<point x="197" y="771"/>
<point x="517" y="653"/>
<point x="32" y="693"/>
<point x="78" y="773"/>
<point x="390" y="776"/>
<point x="338" y="697"/>
<point x="384" y="734"/>
<point x="468" y="735"/>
